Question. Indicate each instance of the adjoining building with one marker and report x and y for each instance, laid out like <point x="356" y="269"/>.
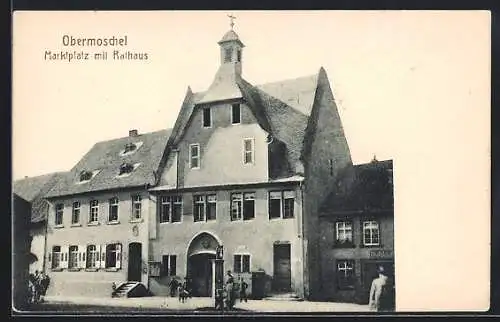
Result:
<point x="100" y="217"/>
<point x="357" y="232"/>
<point x="34" y="189"/>
<point x="21" y="255"/>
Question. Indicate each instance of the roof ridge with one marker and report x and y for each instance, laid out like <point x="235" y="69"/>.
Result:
<point x="289" y="79"/>
<point x="139" y="135"/>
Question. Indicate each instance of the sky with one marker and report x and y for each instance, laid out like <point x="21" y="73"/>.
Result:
<point x="412" y="86"/>
<point x="375" y="62"/>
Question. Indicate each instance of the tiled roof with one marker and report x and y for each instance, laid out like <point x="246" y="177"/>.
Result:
<point x="34" y="189"/>
<point x="230" y="36"/>
<point x="365" y="187"/>
<point x="106" y="157"/>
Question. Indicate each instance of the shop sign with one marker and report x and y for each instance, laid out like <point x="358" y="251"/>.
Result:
<point x="381" y="253"/>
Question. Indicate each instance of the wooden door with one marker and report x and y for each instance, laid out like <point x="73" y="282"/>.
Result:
<point x="282" y="268"/>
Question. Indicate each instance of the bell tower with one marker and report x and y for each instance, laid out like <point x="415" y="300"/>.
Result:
<point x="231" y="48"/>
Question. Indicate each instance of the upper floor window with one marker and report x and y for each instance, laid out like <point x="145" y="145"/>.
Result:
<point x="56" y="257"/>
<point x="205" y="207"/>
<point x="281" y="204"/>
<point x="170" y="209"/>
<point x="194" y="156"/>
<point x="235" y="114"/>
<point x="242" y="206"/>
<point x="113" y="210"/>
<point x="371" y="233"/>
<point x="248" y="151"/>
<point x="238" y="55"/>
<point x="136" y="207"/>
<point x="92" y="256"/>
<point x="207" y="117"/>
<point x="241" y="263"/>
<point x="343" y="232"/>
<point x="94" y="211"/>
<point x="345" y="274"/>
<point x="75" y="216"/>
<point x="59" y="214"/>
<point x="168" y="265"/>
<point x="228" y="52"/>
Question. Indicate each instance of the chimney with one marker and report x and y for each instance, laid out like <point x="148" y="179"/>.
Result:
<point x="132" y="133"/>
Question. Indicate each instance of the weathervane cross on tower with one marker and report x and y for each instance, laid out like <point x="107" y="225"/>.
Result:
<point x="231" y="17"/>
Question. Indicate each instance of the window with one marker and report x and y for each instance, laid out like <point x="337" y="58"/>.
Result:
<point x="59" y="214"/>
<point x="129" y="147"/>
<point x="126" y="168"/>
<point x="242" y="263"/>
<point x="242" y="206"/>
<point x="169" y="265"/>
<point x="248" y="151"/>
<point x="136" y="207"/>
<point x="236" y="114"/>
<point x="113" y="210"/>
<point x="56" y="257"/>
<point x="211" y="207"/>
<point x="238" y="57"/>
<point x="194" y="156"/>
<point x="94" y="211"/>
<point x="92" y="256"/>
<point x="113" y="256"/>
<point x="85" y="175"/>
<point x="227" y="54"/>
<point x="343" y="232"/>
<point x="345" y="274"/>
<point x="75" y="217"/>
<point x="73" y="257"/>
<point x="371" y="233"/>
<point x="170" y="209"/>
<point x="281" y="204"/>
<point x="199" y="208"/>
<point x="205" y="207"/>
<point x="207" y="117"/>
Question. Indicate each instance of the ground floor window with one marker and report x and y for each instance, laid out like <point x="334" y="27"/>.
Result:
<point x="56" y="256"/>
<point x="241" y="263"/>
<point x="345" y="274"/>
<point x="92" y="256"/>
<point x="113" y="256"/>
<point x="168" y="265"/>
<point x="73" y="257"/>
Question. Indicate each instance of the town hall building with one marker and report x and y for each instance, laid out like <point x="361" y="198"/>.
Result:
<point x="245" y="166"/>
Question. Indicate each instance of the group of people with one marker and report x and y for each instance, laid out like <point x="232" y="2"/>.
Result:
<point x="231" y="290"/>
<point x="183" y="289"/>
<point x="37" y="286"/>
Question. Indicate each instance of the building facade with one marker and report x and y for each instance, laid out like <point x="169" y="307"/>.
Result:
<point x="357" y="232"/>
<point x="245" y="167"/>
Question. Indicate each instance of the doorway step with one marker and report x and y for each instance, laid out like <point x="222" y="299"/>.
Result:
<point x="283" y="297"/>
<point x="131" y="289"/>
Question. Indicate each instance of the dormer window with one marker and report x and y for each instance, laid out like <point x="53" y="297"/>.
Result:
<point x="227" y="54"/>
<point x="126" y="168"/>
<point x="85" y="175"/>
<point x="130" y="147"/>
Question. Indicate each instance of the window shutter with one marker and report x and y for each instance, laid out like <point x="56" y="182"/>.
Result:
<point x="64" y="256"/>
<point x="50" y="256"/>
<point x="118" y="256"/>
<point x="103" y="256"/>
<point x="81" y="262"/>
<point x="98" y="256"/>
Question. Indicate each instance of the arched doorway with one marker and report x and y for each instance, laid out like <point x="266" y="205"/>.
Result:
<point x="200" y="256"/>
